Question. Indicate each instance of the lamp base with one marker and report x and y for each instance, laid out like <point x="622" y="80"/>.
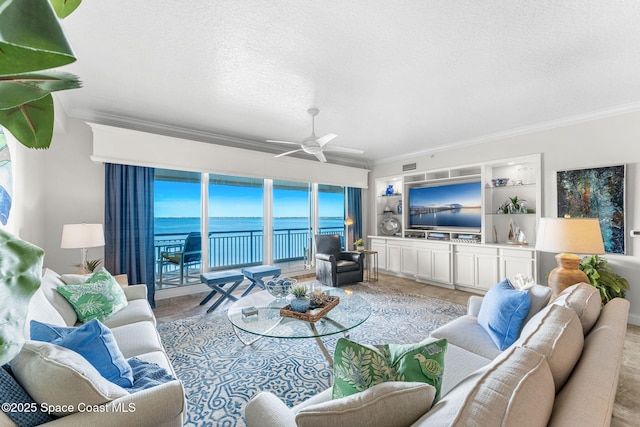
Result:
<point x="566" y="274"/>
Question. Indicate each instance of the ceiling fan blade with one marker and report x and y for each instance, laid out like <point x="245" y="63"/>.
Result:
<point x="287" y="153"/>
<point x="324" y="139"/>
<point x="321" y="156"/>
<point x="342" y="149"/>
<point x="283" y="142"/>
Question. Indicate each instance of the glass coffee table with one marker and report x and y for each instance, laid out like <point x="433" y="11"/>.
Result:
<point x="352" y="311"/>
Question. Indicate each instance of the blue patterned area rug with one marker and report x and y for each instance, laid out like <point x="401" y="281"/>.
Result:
<point x="220" y="374"/>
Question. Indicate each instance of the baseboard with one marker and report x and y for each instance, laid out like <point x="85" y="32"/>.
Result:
<point x="633" y="319"/>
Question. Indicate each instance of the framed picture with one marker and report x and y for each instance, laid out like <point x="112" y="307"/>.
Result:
<point x="596" y="193"/>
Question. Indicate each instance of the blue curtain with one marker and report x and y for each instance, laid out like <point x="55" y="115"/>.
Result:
<point x="354" y="211"/>
<point x="128" y="230"/>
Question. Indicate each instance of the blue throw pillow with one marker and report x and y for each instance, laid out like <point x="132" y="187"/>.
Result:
<point x="94" y="342"/>
<point x="502" y="312"/>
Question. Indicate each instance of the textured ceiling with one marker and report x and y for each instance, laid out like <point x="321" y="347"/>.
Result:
<point x="390" y="77"/>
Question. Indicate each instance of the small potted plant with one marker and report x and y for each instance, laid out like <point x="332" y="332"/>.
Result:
<point x="359" y="244"/>
<point x="300" y="302"/>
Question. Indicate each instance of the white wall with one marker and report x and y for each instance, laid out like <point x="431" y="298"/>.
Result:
<point x="602" y="142"/>
<point x="59" y="186"/>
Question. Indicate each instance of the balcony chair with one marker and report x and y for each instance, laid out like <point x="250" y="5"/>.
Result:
<point x="335" y="267"/>
<point x="189" y="255"/>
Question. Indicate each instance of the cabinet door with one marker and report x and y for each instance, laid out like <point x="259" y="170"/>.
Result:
<point x="441" y="266"/>
<point x="394" y="258"/>
<point x="409" y="259"/>
<point x="424" y="264"/>
<point x="512" y="266"/>
<point x="381" y="247"/>
<point x="464" y="270"/>
<point x="486" y="270"/>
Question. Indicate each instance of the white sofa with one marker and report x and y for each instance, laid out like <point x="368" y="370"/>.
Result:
<point x="563" y="370"/>
<point x="134" y="329"/>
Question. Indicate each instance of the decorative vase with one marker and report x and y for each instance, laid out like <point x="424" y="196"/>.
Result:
<point x="300" y="305"/>
<point x="359" y="248"/>
<point x="389" y="190"/>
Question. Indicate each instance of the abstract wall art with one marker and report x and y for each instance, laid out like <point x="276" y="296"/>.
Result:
<point x="596" y="193"/>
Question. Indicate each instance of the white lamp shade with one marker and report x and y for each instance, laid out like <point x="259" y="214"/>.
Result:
<point x="76" y="236"/>
<point x="572" y="235"/>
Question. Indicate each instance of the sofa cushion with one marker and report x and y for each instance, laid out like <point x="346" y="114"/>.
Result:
<point x="40" y="309"/>
<point x="137" y="338"/>
<point x="359" y="366"/>
<point x="502" y="313"/>
<point x="70" y="380"/>
<point x="556" y="333"/>
<point x="50" y="281"/>
<point x="461" y="363"/>
<point x="136" y="311"/>
<point x="389" y="403"/>
<point x="585" y="300"/>
<point x="500" y="394"/>
<point x="94" y="342"/>
<point x="540" y="297"/>
<point x="97" y="298"/>
<point x="465" y="332"/>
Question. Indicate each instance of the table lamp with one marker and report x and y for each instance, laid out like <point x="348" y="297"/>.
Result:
<point x="82" y="236"/>
<point x="568" y="236"/>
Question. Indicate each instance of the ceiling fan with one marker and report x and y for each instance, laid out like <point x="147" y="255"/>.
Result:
<point x="314" y="145"/>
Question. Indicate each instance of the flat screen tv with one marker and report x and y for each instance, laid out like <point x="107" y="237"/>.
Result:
<point x="447" y="206"/>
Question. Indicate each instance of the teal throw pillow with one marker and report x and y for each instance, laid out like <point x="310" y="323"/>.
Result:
<point x="97" y="298"/>
<point x="502" y="313"/>
<point x="94" y="342"/>
<point x="357" y="367"/>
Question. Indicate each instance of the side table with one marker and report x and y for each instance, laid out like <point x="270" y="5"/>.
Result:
<point x="371" y="260"/>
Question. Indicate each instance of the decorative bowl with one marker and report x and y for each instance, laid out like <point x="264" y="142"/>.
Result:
<point x="279" y="288"/>
<point x="499" y="182"/>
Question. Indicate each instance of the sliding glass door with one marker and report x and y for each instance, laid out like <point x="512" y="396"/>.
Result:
<point x="291" y="223"/>
<point x="236" y="218"/>
<point x="331" y="210"/>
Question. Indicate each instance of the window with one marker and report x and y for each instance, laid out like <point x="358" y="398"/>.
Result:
<point x="291" y="223"/>
<point x="236" y="230"/>
<point x="176" y="207"/>
<point x="331" y="210"/>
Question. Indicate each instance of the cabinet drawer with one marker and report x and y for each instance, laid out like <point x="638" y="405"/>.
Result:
<point x="477" y="250"/>
<point x="514" y="253"/>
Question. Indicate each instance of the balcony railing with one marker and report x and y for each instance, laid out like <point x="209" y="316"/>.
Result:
<point x="237" y="249"/>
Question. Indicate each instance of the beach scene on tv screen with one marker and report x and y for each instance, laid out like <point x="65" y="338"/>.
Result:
<point x="452" y="205"/>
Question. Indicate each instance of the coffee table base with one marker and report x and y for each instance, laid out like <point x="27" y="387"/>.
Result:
<point x="321" y="345"/>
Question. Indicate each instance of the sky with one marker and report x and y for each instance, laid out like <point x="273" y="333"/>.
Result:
<point x="182" y="199"/>
<point x="467" y="194"/>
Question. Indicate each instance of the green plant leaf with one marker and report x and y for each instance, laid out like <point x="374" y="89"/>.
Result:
<point x="64" y="8"/>
<point x="31" y="38"/>
<point x="31" y="123"/>
<point x="20" y="275"/>
<point x="19" y="89"/>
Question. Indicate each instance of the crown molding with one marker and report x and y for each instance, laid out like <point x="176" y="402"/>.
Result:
<point x="552" y="124"/>
<point x="194" y="135"/>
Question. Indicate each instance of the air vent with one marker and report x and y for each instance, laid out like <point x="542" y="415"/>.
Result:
<point x="409" y="167"/>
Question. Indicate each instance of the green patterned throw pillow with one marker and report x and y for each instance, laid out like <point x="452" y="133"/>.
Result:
<point x="357" y="367"/>
<point x="97" y="298"/>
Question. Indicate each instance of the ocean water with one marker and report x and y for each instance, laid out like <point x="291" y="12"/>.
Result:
<point x="165" y="226"/>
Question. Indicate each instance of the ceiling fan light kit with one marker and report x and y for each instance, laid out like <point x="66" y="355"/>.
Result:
<point x="314" y="145"/>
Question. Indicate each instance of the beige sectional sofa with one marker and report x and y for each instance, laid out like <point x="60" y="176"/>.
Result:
<point x="562" y="370"/>
<point x="134" y="329"/>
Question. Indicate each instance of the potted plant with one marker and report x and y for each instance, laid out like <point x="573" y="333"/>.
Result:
<point x="600" y="275"/>
<point x="359" y="244"/>
<point x="300" y="302"/>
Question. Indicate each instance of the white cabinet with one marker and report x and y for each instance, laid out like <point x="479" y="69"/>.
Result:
<point x="433" y="262"/>
<point x="394" y="258"/>
<point x="513" y="262"/>
<point x="409" y="260"/>
<point x="476" y="267"/>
